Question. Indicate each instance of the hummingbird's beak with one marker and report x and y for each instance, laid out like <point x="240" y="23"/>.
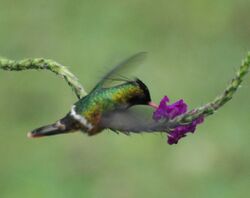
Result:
<point x="152" y="104"/>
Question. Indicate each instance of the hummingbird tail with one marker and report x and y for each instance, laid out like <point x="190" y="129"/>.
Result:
<point x="52" y="129"/>
<point x="65" y="125"/>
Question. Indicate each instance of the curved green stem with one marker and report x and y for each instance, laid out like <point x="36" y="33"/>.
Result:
<point x="41" y="63"/>
<point x="210" y="108"/>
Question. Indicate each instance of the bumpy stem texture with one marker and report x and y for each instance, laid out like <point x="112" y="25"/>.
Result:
<point x="210" y="108"/>
<point x="41" y="63"/>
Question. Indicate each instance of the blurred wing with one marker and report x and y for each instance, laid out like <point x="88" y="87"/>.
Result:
<point x="136" y="119"/>
<point x="127" y="64"/>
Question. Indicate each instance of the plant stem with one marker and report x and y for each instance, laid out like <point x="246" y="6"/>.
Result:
<point x="41" y="63"/>
<point x="212" y="107"/>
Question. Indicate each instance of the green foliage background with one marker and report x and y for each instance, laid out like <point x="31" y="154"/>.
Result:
<point x="194" y="49"/>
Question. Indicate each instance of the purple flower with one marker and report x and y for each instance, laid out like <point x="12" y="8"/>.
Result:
<point x="180" y="131"/>
<point x="165" y="111"/>
<point x="169" y="111"/>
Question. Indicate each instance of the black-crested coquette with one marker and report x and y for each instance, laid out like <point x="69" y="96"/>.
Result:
<point x="109" y="107"/>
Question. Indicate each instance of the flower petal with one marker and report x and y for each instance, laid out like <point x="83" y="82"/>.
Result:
<point x="180" y="131"/>
<point x="169" y="111"/>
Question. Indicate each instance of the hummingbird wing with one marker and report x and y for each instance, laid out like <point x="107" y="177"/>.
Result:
<point x="111" y="76"/>
<point x="135" y="119"/>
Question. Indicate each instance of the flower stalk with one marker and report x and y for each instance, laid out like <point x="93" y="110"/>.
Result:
<point x="45" y="64"/>
<point x="211" y="107"/>
<point x="180" y="121"/>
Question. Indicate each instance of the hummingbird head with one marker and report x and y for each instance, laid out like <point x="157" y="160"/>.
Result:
<point x="143" y="96"/>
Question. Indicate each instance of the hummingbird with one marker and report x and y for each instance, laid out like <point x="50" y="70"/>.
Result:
<point x="124" y="107"/>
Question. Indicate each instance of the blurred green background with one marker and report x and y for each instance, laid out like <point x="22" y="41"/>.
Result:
<point x="194" y="49"/>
